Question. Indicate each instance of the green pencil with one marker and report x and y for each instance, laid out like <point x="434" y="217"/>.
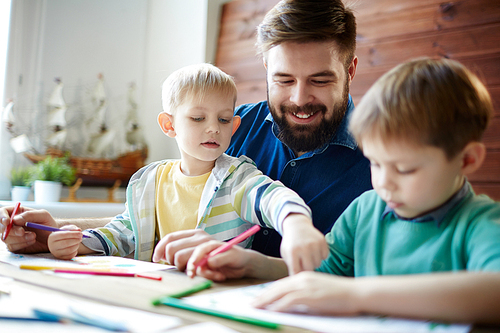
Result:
<point x="177" y="303"/>
<point x="194" y="289"/>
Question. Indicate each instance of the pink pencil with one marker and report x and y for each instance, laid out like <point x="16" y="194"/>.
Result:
<point x="72" y="271"/>
<point x="228" y="245"/>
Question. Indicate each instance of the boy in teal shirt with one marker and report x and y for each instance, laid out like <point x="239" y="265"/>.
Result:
<point x="421" y="244"/>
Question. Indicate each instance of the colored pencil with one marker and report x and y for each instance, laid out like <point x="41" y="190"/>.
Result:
<point x="46" y="228"/>
<point x="189" y="291"/>
<point x="177" y="303"/>
<point x="228" y="245"/>
<point x="110" y="273"/>
<point x="9" y="226"/>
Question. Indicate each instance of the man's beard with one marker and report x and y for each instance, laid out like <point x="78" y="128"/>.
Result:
<point x="305" y="137"/>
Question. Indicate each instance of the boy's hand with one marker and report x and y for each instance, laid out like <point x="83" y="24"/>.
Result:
<point x="176" y="248"/>
<point x="65" y="244"/>
<point x="21" y="240"/>
<point x="310" y="292"/>
<point x="303" y="246"/>
<point x="226" y="265"/>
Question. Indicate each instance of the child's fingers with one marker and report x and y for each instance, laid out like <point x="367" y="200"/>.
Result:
<point x="64" y="244"/>
<point x="159" y="252"/>
<point x="210" y="274"/>
<point x="71" y="227"/>
<point x="292" y="261"/>
<point x="181" y="258"/>
<point x="199" y="253"/>
<point x="273" y="293"/>
<point x="182" y="240"/>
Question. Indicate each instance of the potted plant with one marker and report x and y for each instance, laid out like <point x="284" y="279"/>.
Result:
<point x="20" y="179"/>
<point x="49" y="175"/>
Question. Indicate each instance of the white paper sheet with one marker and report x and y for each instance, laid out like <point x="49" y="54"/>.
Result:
<point x="207" y="327"/>
<point x="21" y="302"/>
<point x="115" y="264"/>
<point x="237" y="301"/>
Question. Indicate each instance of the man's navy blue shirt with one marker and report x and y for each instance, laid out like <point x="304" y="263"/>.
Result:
<point x="328" y="178"/>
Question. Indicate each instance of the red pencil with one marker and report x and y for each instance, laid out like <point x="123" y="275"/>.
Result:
<point x="72" y="271"/>
<point x="7" y="230"/>
<point x="228" y="245"/>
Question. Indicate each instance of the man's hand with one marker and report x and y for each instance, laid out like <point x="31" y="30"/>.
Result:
<point x="177" y="247"/>
<point x="21" y="240"/>
<point x="303" y="246"/>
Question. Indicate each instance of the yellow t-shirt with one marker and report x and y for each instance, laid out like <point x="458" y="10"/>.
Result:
<point x="177" y="198"/>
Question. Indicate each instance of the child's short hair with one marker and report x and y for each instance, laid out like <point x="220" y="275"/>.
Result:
<point x="195" y="81"/>
<point x="431" y="102"/>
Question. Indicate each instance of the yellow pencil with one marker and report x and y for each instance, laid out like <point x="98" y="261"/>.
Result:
<point x="39" y="268"/>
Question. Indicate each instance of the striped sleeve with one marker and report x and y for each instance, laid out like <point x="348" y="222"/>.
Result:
<point x="260" y="200"/>
<point x="116" y="238"/>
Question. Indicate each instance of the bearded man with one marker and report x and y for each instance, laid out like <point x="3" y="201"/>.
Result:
<point x="299" y="135"/>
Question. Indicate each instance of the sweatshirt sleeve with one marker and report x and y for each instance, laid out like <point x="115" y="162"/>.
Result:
<point x="260" y="200"/>
<point x="116" y="238"/>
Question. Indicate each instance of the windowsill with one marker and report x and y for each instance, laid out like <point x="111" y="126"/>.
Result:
<point x="74" y="209"/>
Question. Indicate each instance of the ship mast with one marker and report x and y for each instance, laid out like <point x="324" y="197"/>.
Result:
<point x="56" y="117"/>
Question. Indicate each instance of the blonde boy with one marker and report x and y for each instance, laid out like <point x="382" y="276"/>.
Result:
<point x="421" y="244"/>
<point x="205" y="189"/>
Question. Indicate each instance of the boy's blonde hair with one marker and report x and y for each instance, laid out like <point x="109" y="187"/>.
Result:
<point x="194" y="82"/>
<point x="431" y="102"/>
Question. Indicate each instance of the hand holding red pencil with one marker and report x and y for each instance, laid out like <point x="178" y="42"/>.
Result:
<point x="20" y="239"/>
<point x="232" y="269"/>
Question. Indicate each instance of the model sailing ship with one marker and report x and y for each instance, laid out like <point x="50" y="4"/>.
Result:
<point x="98" y="161"/>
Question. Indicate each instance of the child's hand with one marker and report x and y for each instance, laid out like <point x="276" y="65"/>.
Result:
<point x="176" y="247"/>
<point x="227" y="265"/>
<point x="65" y="244"/>
<point x="310" y="292"/>
<point x="303" y="246"/>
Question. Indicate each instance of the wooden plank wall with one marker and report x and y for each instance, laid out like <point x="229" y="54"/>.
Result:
<point x="389" y="32"/>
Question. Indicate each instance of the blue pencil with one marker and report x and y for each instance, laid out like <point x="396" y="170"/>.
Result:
<point x="46" y="228"/>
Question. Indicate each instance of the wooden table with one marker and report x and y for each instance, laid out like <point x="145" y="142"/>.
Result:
<point x="134" y="293"/>
<point x="137" y="293"/>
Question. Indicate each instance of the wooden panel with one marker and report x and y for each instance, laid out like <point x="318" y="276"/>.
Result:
<point x="495" y="96"/>
<point x="487" y="67"/>
<point x="491" y="137"/>
<point x="456" y="44"/>
<point x="251" y="92"/>
<point x="243" y="10"/>
<point x="246" y="71"/>
<point x="489" y="171"/>
<point x="240" y="19"/>
<point x="398" y="18"/>
<point x="238" y="51"/>
<point x="491" y="190"/>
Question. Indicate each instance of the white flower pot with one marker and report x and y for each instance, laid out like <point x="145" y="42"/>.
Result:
<point x="20" y="193"/>
<point x="47" y="191"/>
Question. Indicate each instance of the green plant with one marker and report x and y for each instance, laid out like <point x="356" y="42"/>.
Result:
<point x="54" y="169"/>
<point x="21" y="176"/>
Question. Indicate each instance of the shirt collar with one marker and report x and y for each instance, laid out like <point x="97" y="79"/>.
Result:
<point x="342" y="136"/>
<point x="438" y="214"/>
